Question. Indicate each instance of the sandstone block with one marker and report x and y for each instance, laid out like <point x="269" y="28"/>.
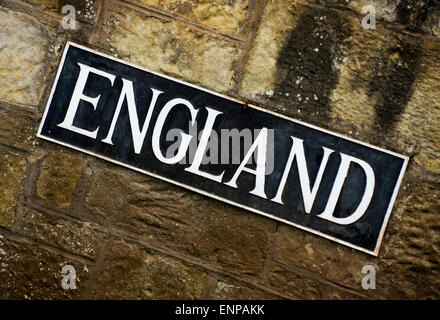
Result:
<point x="228" y="291"/>
<point x="129" y="272"/>
<point x="414" y="15"/>
<point x="182" y="220"/>
<point x="172" y="48"/>
<point x="24" y="45"/>
<point x="59" y="176"/>
<point x="17" y="130"/>
<point x="12" y="172"/>
<point x="225" y="16"/>
<point x="78" y="238"/>
<point x="47" y="4"/>
<point x="321" y="66"/>
<point x="28" y="272"/>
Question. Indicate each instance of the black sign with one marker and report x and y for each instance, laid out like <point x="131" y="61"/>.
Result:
<point x="284" y="169"/>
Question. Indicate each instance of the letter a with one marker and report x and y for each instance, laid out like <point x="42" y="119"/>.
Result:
<point x="369" y="280"/>
<point x="260" y="171"/>
<point x="308" y="194"/>
<point x="369" y="21"/>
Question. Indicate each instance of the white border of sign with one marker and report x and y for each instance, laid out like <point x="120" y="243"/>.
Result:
<point x="390" y="206"/>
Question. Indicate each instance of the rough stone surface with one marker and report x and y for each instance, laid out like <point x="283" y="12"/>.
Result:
<point x="59" y="175"/>
<point x="227" y="291"/>
<point x="414" y="15"/>
<point x="184" y="220"/>
<point x="84" y="10"/>
<point x="47" y="4"/>
<point x="136" y="237"/>
<point x="76" y="237"/>
<point x="420" y="122"/>
<point x="18" y="130"/>
<point x="385" y="89"/>
<point x="28" y="272"/>
<point x="409" y="250"/>
<point x="297" y="250"/>
<point x="22" y="58"/>
<point x="172" y="48"/>
<point x="410" y="254"/>
<point x="12" y="169"/>
<point x="297" y="284"/>
<point x="225" y="16"/>
<point x="432" y="23"/>
<point x="132" y="273"/>
<point x="181" y="220"/>
<point x="276" y="24"/>
<point x="373" y="84"/>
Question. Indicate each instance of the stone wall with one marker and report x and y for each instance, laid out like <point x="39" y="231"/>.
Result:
<point x="135" y="237"/>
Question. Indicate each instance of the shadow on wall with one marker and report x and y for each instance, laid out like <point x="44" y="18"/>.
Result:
<point x="307" y="75"/>
<point x="413" y="13"/>
<point x="391" y="82"/>
<point x="305" y="63"/>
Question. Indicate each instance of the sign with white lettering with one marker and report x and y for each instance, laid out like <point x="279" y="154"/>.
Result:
<point x="284" y="169"/>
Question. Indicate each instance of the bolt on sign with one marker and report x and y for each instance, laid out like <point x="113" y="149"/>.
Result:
<point x="290" y="171"/>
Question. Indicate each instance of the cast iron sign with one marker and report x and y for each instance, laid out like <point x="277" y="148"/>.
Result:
<point x="275" y="166"/>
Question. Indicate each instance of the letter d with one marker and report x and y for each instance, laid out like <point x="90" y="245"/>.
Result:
<point x="337" y="188"/>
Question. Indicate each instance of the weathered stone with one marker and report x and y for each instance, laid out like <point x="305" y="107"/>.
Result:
<point x="59" y="176"/>
<point x="182" y="220"/>
<point x="130" y="272"/>
<point x="324" y="68"/>
<point x="334" y="292"/>
<point x="76" y="237"/>
<point x="24" y="45"/>
<point x="414" y="15"/>
<point x="17" y="130"/>
<point x="432" y="23"/>
<point x="420" y="122"/>
<point x="290" y="283"/>
<point x="225" y="16"/>
<point x="292" y="64"/>
<point x="12" y="170"/>
<point x="227" y="291"/>
<point x="384" y="10"/>
<point x="392" y="96"/>
<point x="298" y="285"/>
<point x="311" y="60"/>
<point x="47" y="4"/>
<point x="28" y="272"/>
<point x="172" y="48"/>
<point x="409" y="251"/>
<point x="275" y="26"/>
<point x="297" y="251"/>
<point x="410" y="257"/>
<point x="84" y="10"/>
